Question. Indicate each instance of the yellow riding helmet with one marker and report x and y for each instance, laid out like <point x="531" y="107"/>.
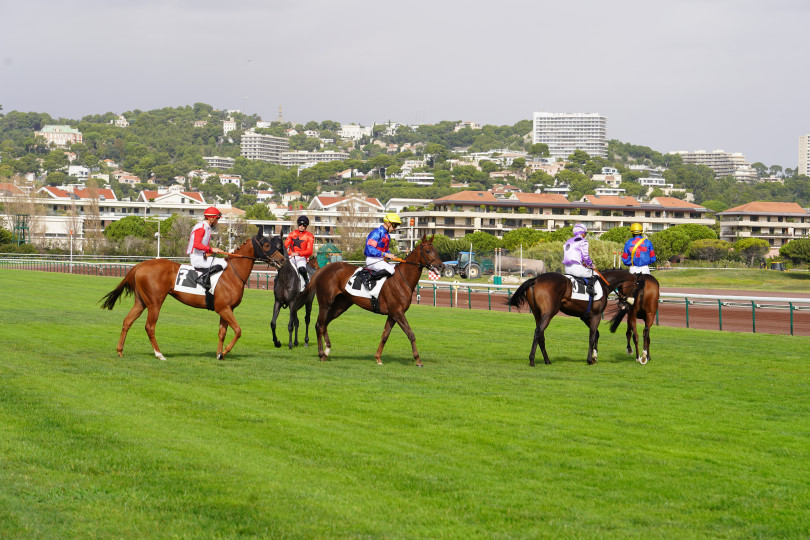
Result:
<point x="636" y="228"/>
<point x="392" y="218"/>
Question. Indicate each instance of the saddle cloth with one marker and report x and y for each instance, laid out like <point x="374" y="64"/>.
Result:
<point x="578" y="289"/>
<point x="186" y="280"/>
<point x="361" y="290"/>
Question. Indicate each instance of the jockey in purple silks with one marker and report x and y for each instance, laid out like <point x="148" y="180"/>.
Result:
<point x="577" y="259"/>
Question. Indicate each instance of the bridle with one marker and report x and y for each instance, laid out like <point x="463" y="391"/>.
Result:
<point x="257" y="248"/>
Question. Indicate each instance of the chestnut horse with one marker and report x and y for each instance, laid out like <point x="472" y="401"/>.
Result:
<point x="550" y="293"/>
<point x="329" y="284"/>
<point x="286" y="288"/>
<point x="151" y="281"/>
<point x="645" y="307"/>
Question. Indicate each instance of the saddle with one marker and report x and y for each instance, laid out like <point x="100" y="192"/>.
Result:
<point x="581" y="288"/>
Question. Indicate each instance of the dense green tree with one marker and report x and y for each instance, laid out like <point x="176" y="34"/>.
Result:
<point x="617" y="234"/>
<point x="523" y="236"/>
<point x="670" y="244"/>
<point x="709" y="249"/>
<point x="798" y="251"/>
<point x="539" y="150"/>
<point x="751" y="249"/>
<point x="129" y="226"/>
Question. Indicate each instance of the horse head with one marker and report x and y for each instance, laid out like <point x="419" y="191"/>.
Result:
<point x="270" y="251"/>
<point x="428" y="256"/>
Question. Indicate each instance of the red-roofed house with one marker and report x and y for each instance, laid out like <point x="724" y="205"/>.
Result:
<point x="776" y="222"/>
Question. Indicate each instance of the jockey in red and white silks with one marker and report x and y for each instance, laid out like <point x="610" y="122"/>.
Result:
<point x="200" y="239"/>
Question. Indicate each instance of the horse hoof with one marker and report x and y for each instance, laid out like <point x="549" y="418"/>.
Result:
<point x="277" y="344"/>
<point x="160" y="356"/>
<point x="220" y="356"/>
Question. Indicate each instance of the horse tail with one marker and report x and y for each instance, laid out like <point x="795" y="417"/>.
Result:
<point x="624" y="307"/>
<point x="519" y="298"/>
<point x="127" y="286"/>
<point x="618" y="317"/>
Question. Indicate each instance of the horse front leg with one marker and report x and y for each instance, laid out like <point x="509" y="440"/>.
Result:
<point x="276" y="310"/>
<point x="389" y="323"/>
<point x="153" y="312"/>
<point x="227" y="319"/>
<point x="129" y="320"/>
<point x="307" y="314"/>
<point x="403" y="323"/>
<point x="292" y="326"/>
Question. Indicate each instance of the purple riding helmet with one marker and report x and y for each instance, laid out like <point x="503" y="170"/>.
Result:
<point x="580" y="230"/>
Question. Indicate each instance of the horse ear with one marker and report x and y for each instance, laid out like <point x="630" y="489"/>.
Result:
<point x="260" y="232"/>
<point x="424" y="237"/>
<point x="432" y="236"/>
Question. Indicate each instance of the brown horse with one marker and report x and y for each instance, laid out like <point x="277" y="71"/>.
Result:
<point x="286" y="288"/>
<point x="550" y="293"/>
<point x="644" y="306"/>
<point x="329" y="284"/>
<point x="151" y="281"/>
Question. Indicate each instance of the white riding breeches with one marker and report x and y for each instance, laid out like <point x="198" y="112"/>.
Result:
<point x="579" y="271"/>
<point x="639" y="269"/>
<point x="298" y="261"/>
<point x="378" y="263"/>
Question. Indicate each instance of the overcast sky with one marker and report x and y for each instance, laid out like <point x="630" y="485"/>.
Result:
<point x="674" y="75"/>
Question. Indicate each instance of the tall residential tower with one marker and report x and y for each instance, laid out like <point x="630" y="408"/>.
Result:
<point x="566" y="132"/>
<point x="804" y="155"/>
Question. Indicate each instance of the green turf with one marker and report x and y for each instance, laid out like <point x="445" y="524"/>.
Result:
<point x="741" y="279"/>
<point x="710" y="439"/>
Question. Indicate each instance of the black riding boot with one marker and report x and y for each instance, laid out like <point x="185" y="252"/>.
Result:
<point x="303" y="273"/>
<point x="589" y="287"/>
<point x="204" y="278"/>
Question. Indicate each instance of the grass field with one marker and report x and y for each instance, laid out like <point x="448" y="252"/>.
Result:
<point x="710" y="439"/>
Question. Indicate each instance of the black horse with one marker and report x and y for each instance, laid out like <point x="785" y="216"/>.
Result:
<point x="286" y="288"/>
<point x="550" y="293"/>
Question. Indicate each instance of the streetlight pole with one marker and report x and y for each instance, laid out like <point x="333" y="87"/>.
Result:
<point x="157" y="235"/>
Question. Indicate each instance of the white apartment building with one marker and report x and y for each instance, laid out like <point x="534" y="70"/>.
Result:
<point x="219" y="162"/>
<point x="353" y="131"/>
<point x="301" y="157"/>
<point x="804" y="155"/>
<point x="566" y="132"/>
<point x="721" y="162"/>
<point x="228" y="125"/>
<point x="264" y="147"/>
<point x="776" y="222"/>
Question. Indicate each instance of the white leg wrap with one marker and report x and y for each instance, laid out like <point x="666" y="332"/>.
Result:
<point x="160" y="356"/>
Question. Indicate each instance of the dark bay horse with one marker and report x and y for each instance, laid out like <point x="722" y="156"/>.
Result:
<point x="645" y="307"/>
<point x="329" y="284"/>
<point x="151" y="281"/>
<point x="550" y="293"/>
<point x="286" y="288"/>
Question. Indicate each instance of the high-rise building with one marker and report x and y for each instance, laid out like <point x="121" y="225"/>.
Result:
<point x="566" y="132"/>
<point x="804" y="155"/>
<point x="722" y="163"/>
<point x="264" y="147"/>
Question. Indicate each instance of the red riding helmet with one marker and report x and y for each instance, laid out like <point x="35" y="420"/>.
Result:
<point x="211" y="211"/>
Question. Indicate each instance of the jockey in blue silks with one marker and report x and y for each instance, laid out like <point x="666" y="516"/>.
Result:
<point x="377" y="250"/>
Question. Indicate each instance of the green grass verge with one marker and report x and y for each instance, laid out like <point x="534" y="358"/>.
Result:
<point x="710" y="439"/>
